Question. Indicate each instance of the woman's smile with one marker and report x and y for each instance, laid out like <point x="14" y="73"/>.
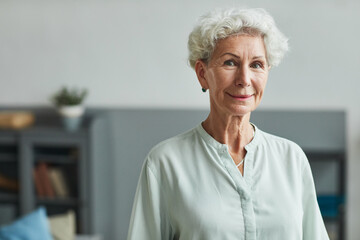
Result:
<point x="241" y="97"/>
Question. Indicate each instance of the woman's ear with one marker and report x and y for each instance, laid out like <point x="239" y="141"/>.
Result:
<point x="200" y="69"/>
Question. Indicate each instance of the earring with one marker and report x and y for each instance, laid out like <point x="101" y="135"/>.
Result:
<point x="203" y="89"/>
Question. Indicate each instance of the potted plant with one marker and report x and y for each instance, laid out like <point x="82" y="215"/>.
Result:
<point x="69" y="103"/>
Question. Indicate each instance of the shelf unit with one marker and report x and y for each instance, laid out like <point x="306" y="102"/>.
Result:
<point x="9" y="165"/>
<point x="22" y="150"/>
<point x="329" y="171"/>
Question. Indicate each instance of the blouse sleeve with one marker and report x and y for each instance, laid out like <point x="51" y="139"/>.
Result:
<point x="149" y="217"/>
<point x="313" y="224"/>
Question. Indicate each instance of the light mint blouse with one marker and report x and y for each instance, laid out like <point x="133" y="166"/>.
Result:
<point x="190" y="189"/>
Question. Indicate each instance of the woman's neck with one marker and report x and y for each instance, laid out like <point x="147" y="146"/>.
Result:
<point x="234" y="131"/>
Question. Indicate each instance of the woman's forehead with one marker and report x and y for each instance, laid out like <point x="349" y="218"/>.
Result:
<point x="240" y="45"/>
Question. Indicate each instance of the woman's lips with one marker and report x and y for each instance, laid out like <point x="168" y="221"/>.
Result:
<point x="241" y="97"/>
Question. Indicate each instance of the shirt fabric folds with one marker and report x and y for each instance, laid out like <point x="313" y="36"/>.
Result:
<point x="191" y="189"/>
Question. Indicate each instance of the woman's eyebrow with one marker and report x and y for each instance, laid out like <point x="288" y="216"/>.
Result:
<point x="236" y="56"/>
<point x="257" y="57"/>
<point x="227" y="53"/>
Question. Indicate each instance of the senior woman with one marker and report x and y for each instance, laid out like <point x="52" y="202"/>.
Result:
<point x="226" y="179"/>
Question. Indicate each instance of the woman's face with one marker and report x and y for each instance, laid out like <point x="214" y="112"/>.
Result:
<point x="236" y="75"/>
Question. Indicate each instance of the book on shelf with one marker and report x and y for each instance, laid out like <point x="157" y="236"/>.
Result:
<point x="330" y="204"/>
<point x="40" y="191"/>
<point x="50" y="181"/>
<point x="58" y="181"/>
<point x="42" y="181"/>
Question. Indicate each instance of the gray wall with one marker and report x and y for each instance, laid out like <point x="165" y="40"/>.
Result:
<point x="134" y="132"/>
<point x="117" y="48"/>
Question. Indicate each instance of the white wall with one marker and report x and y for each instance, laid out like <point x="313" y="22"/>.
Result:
<point x="133" y="54"/>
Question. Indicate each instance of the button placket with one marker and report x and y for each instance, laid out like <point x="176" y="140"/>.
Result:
<point x="243" y="184"/>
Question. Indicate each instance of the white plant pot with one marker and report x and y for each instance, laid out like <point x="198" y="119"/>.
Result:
<point x="72" y="111"/>
<point x="72" y="116"/>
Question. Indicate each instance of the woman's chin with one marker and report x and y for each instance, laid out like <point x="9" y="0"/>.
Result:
<point x="240" y="110"/>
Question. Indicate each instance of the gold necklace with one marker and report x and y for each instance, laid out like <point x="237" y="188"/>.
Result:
<point x="242" y="161"/>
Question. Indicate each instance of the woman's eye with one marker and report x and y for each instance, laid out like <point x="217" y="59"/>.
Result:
<point x="256" y="65"/>
<point x="229" y="63"/>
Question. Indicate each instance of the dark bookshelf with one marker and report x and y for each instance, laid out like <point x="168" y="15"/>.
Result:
<point x="332" y="201"/>
<point x="21" y="151"/>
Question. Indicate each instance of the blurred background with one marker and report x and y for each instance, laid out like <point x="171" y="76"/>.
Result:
<point x="131" y="56"/>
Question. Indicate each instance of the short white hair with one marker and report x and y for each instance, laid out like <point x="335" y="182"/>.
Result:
<point x="220" y="24"/>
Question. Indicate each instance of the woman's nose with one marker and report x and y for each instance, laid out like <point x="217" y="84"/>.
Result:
<point x="243" y="77"/>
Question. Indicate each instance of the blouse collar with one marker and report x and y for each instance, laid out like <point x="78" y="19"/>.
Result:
<point x="213" y="142"/>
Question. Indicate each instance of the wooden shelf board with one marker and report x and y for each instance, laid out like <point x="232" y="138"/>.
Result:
<point x="59" y="201"/>
<point x="55" y="159"/>
<point x="7" y="157"/>
<point x="9" y="198"/>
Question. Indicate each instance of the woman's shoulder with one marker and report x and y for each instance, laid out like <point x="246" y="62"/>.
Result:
<point x="174" y="146"/>
<point x="284" y="150"/>
<point x="280" y="143"/>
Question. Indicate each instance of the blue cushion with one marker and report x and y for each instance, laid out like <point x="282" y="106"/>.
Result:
<point x="33" y="226"/>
